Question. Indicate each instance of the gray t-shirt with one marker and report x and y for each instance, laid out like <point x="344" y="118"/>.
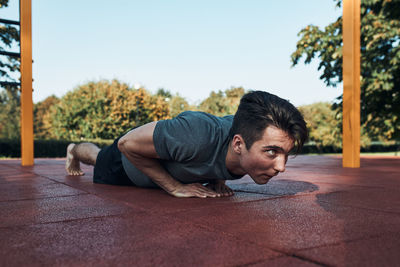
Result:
<point x="192" y="148"/>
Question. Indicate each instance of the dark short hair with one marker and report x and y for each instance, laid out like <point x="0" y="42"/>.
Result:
<point x="258" y="110"/>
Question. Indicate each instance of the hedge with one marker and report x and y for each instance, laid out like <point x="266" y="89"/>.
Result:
<point x="43" y="148"/>
<point x="374" y="147"/>
<point x="57" y="148"/>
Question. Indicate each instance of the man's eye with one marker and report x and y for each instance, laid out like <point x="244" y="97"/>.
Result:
<point x="271" y="152"/>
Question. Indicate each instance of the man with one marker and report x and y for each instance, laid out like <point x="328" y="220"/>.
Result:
<point x="194" y="154"/>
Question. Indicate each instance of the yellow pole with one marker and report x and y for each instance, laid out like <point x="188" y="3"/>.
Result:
<point x="26" y="83"/>
<point x="351" y="83"/>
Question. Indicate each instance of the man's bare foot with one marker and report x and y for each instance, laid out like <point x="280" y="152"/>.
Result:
<point x="72" y="165"/>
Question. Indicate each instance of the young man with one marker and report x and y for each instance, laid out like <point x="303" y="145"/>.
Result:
<point x="183" y="154"/>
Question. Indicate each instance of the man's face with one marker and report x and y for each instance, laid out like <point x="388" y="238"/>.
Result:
<point x="268" y="156"/>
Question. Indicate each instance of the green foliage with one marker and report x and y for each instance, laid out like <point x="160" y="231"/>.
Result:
<point x="9" y="95"/>
<point x="10" y="113"/>
<point x="325" y="128"/>
<point x="42" y="113"/>
<point x="380" y="62"/>
<point x="322" y="124"/>
<point x="166" y="94"/>
<point x="3" y="3"/>
<point x="108" y="109"/>
<point x="9" y="34"/>
<point x="105" y="110"/>
<point x="177" y="105"/>
<point x="222" y="103"/>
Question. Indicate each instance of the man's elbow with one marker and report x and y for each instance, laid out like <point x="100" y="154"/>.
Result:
<point x="122" y="144"/>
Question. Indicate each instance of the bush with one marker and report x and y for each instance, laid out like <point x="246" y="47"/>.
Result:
<point x="311" y="148"/>
<point x="317" y="149"/>
<point x="43" y="148"/>
<point x="105" y="110"/>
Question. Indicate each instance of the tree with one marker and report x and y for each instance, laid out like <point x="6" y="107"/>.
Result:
<point x="10" y="113"/>
<point x="42" y="113"/>
<point x="166" y="94"/>
<point x="222" y="103"/>
<point x="9" y="97"/>
<point x="324" y="126"/>
<point x="9" y="35"/>
<point x="380" y="62"/>
<point x="177" y="105"/>
<point x="105" y="110"/>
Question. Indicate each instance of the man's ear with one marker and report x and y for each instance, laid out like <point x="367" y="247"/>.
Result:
<point x="237" y="143"/>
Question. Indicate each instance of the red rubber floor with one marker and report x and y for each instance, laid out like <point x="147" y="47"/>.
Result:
<point x="316" y="213"/>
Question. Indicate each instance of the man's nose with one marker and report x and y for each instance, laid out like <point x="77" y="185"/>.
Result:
<point x="280" y="164"/>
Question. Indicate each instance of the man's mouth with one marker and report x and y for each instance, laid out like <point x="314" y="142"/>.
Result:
<point x="269" y="176"/>
<point x="266" y="177"/>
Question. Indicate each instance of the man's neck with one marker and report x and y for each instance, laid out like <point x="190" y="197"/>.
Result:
<point x="232" y="162"/>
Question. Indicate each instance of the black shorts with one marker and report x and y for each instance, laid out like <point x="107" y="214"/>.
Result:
<point x="108" y="168"/>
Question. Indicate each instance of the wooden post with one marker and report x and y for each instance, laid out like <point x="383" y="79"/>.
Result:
<point x="351" y="83"/>
<point x="25" y="8"/>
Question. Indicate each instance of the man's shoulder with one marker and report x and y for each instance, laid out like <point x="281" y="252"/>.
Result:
<point x="197" y="125"/>
<point x="205" y="117"/>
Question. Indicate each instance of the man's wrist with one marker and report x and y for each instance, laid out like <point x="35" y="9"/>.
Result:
<point x="171" y="186"/>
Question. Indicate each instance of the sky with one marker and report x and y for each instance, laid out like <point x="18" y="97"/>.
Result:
<point x="190" y="47"/>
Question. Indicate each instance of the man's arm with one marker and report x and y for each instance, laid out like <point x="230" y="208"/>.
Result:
<point x="138" y="147"/>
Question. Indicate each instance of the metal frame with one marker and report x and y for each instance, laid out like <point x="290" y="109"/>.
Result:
<point x="10" y="54"/>
<point x="7" y="21"/>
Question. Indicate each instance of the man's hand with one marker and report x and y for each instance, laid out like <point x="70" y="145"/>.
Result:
<point x="194" y="190"/>
<point x="220" y="188"/>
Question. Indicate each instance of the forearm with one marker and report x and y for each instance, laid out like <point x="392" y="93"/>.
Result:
<point x="153" y="169"/>
<point x="138" y="148"/>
